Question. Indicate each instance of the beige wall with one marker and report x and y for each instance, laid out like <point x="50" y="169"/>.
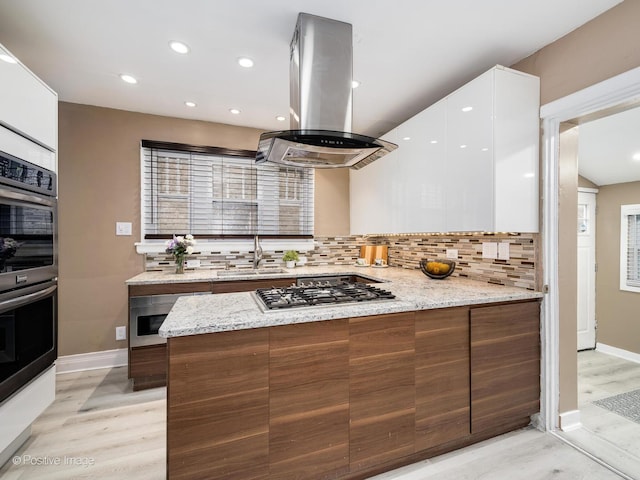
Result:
<point x="99" y="184"/>
<point x="600" y="49"/>
<point x="332" y="202"/>
<point x="568" y="266"/>
<point x="585" y="182"/>
<point x="616" y="310"/>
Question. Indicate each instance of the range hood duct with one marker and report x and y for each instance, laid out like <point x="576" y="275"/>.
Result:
<point x="321" y="71"/>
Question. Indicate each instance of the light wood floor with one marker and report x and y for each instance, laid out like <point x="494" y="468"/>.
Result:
<point x="120" y="434"/>
<point x="605" y="434"/>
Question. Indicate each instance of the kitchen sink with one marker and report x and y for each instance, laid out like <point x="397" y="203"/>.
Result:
<point x="253" y="271"/>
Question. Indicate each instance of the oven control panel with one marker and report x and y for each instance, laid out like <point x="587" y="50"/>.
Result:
<point x="25" y="175"/>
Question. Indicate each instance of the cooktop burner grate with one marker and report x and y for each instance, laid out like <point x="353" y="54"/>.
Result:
<point x="321" y="294"/>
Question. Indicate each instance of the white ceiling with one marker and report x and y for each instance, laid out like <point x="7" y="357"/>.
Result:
<point x="606" y="148"/>
<point x="407" y="53"/>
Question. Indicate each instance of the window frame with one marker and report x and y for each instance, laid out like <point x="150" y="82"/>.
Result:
<point x="625" y="212"/>
<point x="155" y="243"/>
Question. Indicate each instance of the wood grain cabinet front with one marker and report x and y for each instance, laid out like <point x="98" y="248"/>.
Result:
<point x="505" y="365"/>
<point x="309" y="400"/>
<point x="218" y="406"/>
<point x="382" y="388"/>
<point x="443" y="410"/>
<point x="349" y="398"/>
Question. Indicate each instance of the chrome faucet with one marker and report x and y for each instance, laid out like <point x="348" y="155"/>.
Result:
<point x="257" y="251"/>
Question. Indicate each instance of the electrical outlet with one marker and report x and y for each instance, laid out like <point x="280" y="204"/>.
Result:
<point x="490" y="250"/>
<point x="452" y="253"/>
<point x="193" y="263"/>
<point x="503" y="251"/>
<point x="121" y="333"/>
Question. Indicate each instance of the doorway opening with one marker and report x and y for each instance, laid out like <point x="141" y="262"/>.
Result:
<point x="574" y="382"/>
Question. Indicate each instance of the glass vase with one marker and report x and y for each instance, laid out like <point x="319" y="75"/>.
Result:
<point x="179" y="263"/>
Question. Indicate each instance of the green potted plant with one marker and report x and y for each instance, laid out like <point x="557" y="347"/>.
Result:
<point x="290" y="257"/>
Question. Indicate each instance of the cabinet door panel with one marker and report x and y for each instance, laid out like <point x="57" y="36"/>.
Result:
<point x="442" y="376"/>
<point x="516" y="130"/>
<point x="28" y="106"/>
<point x="382" y="388"/>
<point x="218" y="398"/>
<point x="373" y="192"/>
<point x="470" y="156"/>
<point x="421" y="171"/>
<point x="505" y="364"/>
<point x="309" y="400"/>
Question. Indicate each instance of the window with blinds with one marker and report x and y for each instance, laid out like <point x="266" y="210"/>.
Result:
<point x="630" y="248"/>
<point x="216" y="193"/>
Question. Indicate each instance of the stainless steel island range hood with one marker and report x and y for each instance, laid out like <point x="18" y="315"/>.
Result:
<point x="321" y="73"/>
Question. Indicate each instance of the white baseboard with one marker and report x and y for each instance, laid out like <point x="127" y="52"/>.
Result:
<point x="570" y="420"/>
<point x="93" y="360"/>
<point x="618" y="352"/>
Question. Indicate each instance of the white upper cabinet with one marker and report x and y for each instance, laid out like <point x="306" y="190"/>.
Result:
<point x="371" y="210"/>
<point x="27" y="105"/>
<point x="468" y="163"/>
<point x="469" y="159"/>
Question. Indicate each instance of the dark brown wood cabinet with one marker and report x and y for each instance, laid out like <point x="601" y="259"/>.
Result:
<point x="309" y="400"/>
<point x="442" y="376"/>
<point x="382" y="388"/>
<point x="218" y="397"/>
<point x="505" y="364"/>
<point x="349" y="398"/>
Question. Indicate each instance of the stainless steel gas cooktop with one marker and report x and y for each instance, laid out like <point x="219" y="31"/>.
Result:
<point x="319" y="291"/>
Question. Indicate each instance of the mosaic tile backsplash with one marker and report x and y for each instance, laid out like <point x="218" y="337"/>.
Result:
<point x="404" y="251"/>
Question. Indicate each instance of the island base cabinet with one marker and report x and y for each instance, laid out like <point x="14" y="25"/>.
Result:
<point x="442" y="377"/>
<point x="218" y="406"/>
<point x="382" y="388"/>
<point x="349" y="398"/>
<point x="505" y="364"/>
<point x="309" y="401"/>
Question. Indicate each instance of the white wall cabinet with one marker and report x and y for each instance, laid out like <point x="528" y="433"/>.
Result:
<point x="468" y="163"/>
<point x="27" y="105"/>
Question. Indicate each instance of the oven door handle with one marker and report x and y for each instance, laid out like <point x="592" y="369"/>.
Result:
<point x="26" y="299"/>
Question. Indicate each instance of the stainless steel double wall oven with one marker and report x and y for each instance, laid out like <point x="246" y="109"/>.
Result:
<point x="28" y="272"/>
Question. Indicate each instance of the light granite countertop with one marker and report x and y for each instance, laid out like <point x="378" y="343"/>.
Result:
<point x="192" y="315"/>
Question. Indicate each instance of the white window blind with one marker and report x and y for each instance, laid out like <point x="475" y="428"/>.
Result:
<point x="215" y="193"/>
<point x="630" y="248"/>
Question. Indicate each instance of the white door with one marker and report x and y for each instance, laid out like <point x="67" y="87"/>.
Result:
<point x="586" y="269"/>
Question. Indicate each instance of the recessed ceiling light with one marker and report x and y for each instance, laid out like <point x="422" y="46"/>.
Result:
<point x="245" y="62"/>
<point x="235" y="111"/>
<point x="128" y="78"/>
<point x="485" y="149"/>
<point x="467" y="109"/>
<point x="636" y="157"/>
<point x="463" y="146"/>
<point x="355" y="83"/>
<point x="190" y="104"/>
<point x="280" y="118"/>
<point x="179" y="47"/>
<point x="7" y="58"/>
<point x="407" y="138"/>
<point x="529" y="175"/>
<point x="434" y="141"/>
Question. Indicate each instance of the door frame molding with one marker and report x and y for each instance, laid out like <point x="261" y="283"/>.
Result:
<point x="615" y="91"/>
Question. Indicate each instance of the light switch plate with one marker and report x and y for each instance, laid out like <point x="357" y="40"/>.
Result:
<point x="123" y="228"/>
<point x="490" y="250"/>
<point x="503" y="251"/>
<point x="121" y="333"/>
<point x="452" y="253"/>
